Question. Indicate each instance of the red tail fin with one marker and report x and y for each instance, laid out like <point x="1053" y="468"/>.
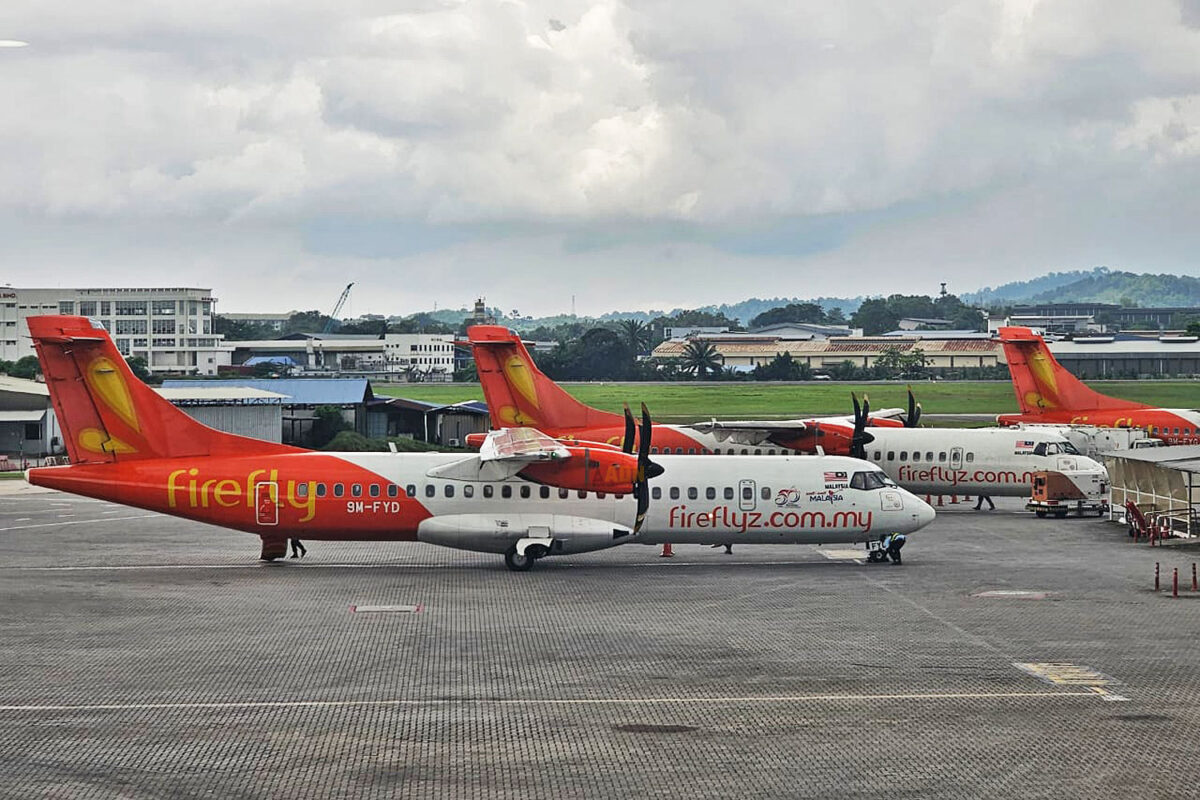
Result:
<point x="519" y="394"/>
<point x="106" y="413"/>
<point x="1042" y="384"/>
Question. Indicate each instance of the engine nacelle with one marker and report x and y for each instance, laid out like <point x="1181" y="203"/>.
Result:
<point x="496" y="533"/>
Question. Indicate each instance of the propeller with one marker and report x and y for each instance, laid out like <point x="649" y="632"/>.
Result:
<point x="646" y="469"/>
<point x="630" y="431"/>
<point x="860" y="438"/>
<point x="914" y="411"/>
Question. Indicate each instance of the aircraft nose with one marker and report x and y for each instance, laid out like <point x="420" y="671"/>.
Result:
<point x="922" y="513"/>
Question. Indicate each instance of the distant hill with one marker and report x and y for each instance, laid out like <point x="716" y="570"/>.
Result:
<point x="1008" y="293"/>
<point x="1100" y="285"/>
<point x="1127" y="288"/>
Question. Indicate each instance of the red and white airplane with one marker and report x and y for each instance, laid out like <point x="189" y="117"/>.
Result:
<point x="1048" y="393"/>
<point x="524" y="495"/>
<point x="937" y="461"/>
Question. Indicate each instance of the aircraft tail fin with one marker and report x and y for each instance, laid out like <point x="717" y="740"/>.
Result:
<point x="106" y="414"/>
<point x="1042" y="384"/>
<point x="519" y="394"/>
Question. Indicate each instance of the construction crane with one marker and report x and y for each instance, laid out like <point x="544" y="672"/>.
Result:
<point x="333" y="316"/>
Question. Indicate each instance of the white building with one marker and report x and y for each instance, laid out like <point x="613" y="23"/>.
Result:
<point x="397" y="356"/>
<point x="272" y="321"/>
<point x="170" y="328"/>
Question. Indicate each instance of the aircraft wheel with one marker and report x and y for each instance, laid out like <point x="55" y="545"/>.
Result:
<point x="518" y="563"/>
<point x="1040" y="514"/>
<point x="875" y="556"/>
<point x="1060" y="514"/>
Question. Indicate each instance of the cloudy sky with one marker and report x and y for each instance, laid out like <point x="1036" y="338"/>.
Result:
<point x="634" y="155"/>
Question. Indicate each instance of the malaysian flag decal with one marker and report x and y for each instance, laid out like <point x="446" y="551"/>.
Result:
<point x="835" y="476"/>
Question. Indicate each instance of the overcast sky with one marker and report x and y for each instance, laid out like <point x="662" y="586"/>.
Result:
<point x="634" y="155"/>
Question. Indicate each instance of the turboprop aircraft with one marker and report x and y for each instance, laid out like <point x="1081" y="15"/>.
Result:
<point x="937" y="461"/>
<point x="1048" y="393"/>
<point x="524" y="495"/>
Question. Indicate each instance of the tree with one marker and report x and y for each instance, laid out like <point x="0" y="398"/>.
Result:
<point x="1194" y="328"/>
<point x="895" y="363"/>
<point x="793" y="312"/>
<point x="782" y="368"/>
<point x="875" y="317"/>
<point x="328" y="421"/>
<point x="141" y="369"/>
<point x="700" y="358"/>
<point x="702" y="319"/>
<point x="27" y="367"/>
<point x="306" y="322"/>
<point x="636" y="334"/>
<point x="238" y="331"/>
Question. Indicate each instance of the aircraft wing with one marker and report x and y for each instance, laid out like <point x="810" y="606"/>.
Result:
<point x="503" y="454"/>
<point x="752" y="432"/>
<point x="525" y="445"/>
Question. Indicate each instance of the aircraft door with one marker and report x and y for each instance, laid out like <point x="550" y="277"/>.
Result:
<point x="891" y="501"/>
<point x="956" y="457"/>
<point x="746" y="495"/>
<point x="266" y="507"/>
<point x="1067" y="464"/>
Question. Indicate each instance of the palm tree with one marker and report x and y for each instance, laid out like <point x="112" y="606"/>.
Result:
<point x="700" y="357"/>
<point x="636" y="334"/>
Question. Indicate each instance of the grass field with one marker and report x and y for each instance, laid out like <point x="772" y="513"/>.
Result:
<point x="681" y="402"/>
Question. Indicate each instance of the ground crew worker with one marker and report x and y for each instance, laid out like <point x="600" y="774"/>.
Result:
<point x="298" y="548"/>
<point x="891" y="546"/>
<point x="979" y="503"/>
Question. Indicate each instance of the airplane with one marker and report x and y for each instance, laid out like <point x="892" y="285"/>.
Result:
<point x="926" y="460"/>
<point x="524" y="495"/>
<point x="1048" y="393"/>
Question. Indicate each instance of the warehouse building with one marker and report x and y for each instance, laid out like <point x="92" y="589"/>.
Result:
<point x="28" y="427"/>
<point x="171" y="328"/>
<point x="234" y="409"/>
<point x="397" y="357"/>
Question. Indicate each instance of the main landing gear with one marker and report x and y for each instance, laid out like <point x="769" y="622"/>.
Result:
<point x="518" y="561"/>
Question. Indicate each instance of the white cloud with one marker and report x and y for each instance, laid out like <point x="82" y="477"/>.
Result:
<point x="526" y="124"/>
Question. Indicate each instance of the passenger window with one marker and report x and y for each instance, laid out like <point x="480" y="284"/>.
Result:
<point x="916" y="455"/>
<point x="770" y="452"/>
<point x="692" y="450"/>
<point x="338" y="490"/>
<point x="904" y="455"/>
<point x="410" y="490"/>
<point x="942" y="456"/>
<point x="393" y="490"/>
<point x="302" y="489"/>
<point x="878" y="455"/>
<point x="488" y="490"/>
<point x="563" y="494"/>
<point x="674" y="493"/>
<point x="582" y="494"/>
<point x="745" y="452"/>
<point x="653" y="449"/>
<point x="891" y="455"/>
<point x="678" y="451"/>
<point x="544" y="492"/>
<point x="970" y="456"/>
<point x="373" y="490"/>
<point x="929" y="456"/>
<point x="430" y="490"/>
<point x="747" y="493"/>
<point x="356" y="490"/>
<point x="692" y="493"/>
<point x="656" y="493"/>
<point x="765" y="493"/>
<point x="449" y="490"/>
<point x="728" y="492"/>
<point x="1177" y="431"/>
<point x="710" y="493"/>
<point x="758" y="451"/>
<point x="600" y="495"/>
<point x="506" y="491"/>
<point x="320" y="490"/>
<point x="525" y="492"/>
<point x="468" y="491"/>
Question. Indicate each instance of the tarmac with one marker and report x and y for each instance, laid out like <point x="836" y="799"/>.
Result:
<point x="144" y="657"/>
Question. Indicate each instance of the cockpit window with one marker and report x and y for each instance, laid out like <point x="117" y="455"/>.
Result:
<point x="1069" y="448"/>
<point x="1054" y="448"/>
<point x="869" y="480"/>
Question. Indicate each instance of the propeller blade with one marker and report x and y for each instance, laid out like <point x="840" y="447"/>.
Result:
<point x="646" y="469"/>
<point x="630" y="430"/>
<point x="860" y="438"/>
<point x="914" y="411"/>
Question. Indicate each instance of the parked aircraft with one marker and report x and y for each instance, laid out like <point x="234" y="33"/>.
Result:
<point x="524" y="495"/>
<point x="1048" y="393"/>
<point x="937" y="461"/>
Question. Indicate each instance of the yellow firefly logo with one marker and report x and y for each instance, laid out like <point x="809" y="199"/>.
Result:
<point x="97" y="441"/>
<point x="1043" y="376"/>
<point x="106" y="382"/>
<point x="520" y="378"/>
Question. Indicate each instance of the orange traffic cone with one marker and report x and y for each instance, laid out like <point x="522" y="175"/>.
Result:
<point x="667" y="553"/>
<point x="940" y="503"/>
<point x="954" y="499"/>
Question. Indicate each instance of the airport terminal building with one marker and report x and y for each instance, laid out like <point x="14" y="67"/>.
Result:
<point x="171" y="328"/>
